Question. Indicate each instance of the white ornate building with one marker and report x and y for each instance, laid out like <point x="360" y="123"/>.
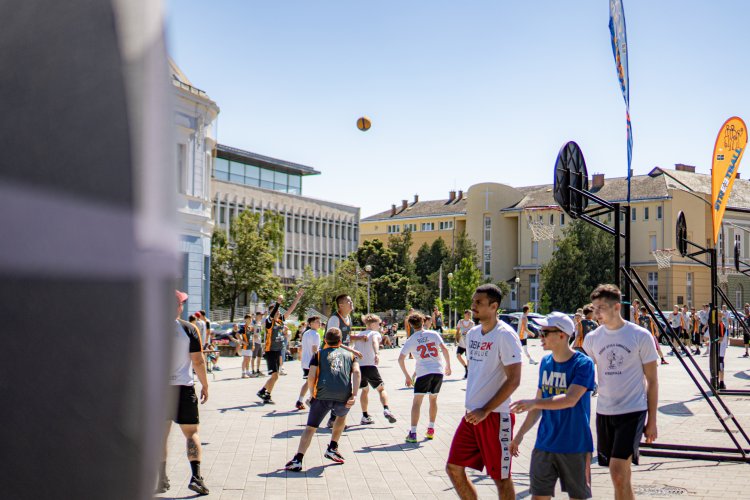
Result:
<point x="195" y="135"/>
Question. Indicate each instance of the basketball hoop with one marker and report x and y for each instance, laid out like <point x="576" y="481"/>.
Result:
<point x="541" y="231"/>
<point x="663" y="257"/>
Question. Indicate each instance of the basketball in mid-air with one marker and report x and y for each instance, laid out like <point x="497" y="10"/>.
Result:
<point x="363" y="123"/>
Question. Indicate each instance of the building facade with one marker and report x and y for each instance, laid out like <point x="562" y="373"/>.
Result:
<point x="318" y="233"/>
<point x="195" y="118"/>
<point x="499" y="219"/>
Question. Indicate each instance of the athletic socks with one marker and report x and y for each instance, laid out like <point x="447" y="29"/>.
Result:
<point x="431" y="425"/>
<point x="298" y="456"/>
<point x="195" y="466"/>
<point x="333" y="445"/>
<point x="414" y="429"/>
<point x="385" y="407"/>
<point x="364" y="414"/>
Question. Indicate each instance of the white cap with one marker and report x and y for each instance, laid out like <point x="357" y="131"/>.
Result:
<point x="558" y="320"/>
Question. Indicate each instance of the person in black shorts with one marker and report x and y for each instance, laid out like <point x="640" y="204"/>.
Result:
<point x="188" y="356"/>
<point x="275" y="343"/>
<point x="333" y="379"/>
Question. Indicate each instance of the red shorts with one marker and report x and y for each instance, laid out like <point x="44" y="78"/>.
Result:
<point x="485" y="445"/>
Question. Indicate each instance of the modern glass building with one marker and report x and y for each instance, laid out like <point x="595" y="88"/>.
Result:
<point x="251" y="169"/>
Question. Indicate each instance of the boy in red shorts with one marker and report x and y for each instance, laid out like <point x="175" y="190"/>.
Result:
<point x="483" y="437"/>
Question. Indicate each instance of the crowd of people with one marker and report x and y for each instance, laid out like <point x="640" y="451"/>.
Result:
<point x="596" y="349"/>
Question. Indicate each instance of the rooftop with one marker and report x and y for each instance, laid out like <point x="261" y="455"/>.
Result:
<point x="258" y="160"/>
<point x="426" y="208"/>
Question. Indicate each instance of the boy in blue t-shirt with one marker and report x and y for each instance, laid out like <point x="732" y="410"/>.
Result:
<point x="563" y="443"/>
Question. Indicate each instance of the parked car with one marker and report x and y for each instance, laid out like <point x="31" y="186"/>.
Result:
<point x="513" y="318"/>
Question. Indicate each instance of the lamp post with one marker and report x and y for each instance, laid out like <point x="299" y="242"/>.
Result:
<point x="518" y="290"/>
<point x="368" y="270"/>
<point x="450" y="295"/>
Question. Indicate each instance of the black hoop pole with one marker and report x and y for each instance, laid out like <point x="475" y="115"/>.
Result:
<point x="617" y="208"/>
<point x="713" y="331"/>
<point x="626" y="288"/>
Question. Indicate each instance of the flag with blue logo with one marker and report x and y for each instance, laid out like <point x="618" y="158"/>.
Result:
<point x="620" y="51"/>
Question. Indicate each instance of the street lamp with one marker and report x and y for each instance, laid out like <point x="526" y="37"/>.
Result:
<point x="450" y="295"/>
<point x="368" y="270"/>
<point x="518" y="290"/>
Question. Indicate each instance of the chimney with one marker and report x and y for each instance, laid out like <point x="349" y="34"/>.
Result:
<point x="681" y="167"/>
<point x="738" y="175"/>
<point x="597" y="181"/>
<point x="404" y="204"/>
<point x="416" y="199"/>
<point x="393" y="210"/>
<point x="460" y="195"/>
<point x="451" y="196"/>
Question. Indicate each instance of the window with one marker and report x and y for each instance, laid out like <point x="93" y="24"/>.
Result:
<point x="221" y="169"/>
<point x="311" y="227"/>
<point x="410" y="227"/>
<point x="428" y="226"/>
<point x="645" y="213"/>
<point x="324" y="263"/>
<point x="445" y="225"/>
<point x="280" y="181"/>
<point x="534" y="249"/>
<point x="266" y="178"/>
<point x="689" y="289"/>
<point x="295" y="184"/>
<point x="487" y="267"/>
<point x="181" y="168"/>
<point x="288" y="260"/>
<point x="296" y="262"/>
<point x="304" y="226"/>
<point x="236" y="172"/>
<point x="658" y="212"/>
<point x="652" y="242"/>
<point x="632" y="213"/>
<point x="551" y="219"/>
<point x="533" y="288"/>
<point x="562" y="219"/>
<point x="737" y="241"/>
<point x="487" y="228"/>
<point x="325" y="230"/>
<point x="296" y="226"/>
<point x="317" y="228"/>
<point x="653" y="285"/>
<point x="609" y="217"/>
<point x="222" y="215"/>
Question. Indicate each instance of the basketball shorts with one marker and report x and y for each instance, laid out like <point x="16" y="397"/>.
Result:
<point x="619" y="436"/>
<point x="370" y="375"/>
<point x="485" y="445"/>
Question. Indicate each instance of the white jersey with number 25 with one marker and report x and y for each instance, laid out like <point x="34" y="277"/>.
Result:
<point x="425" y="346"/>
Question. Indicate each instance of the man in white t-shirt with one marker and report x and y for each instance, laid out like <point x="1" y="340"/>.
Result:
<point x="424" y="345"/>
<point x="368" y="343"/>
<point x="625" y="358"/>
<point x="310" y="345"/>
<point x="483" y="437"/>
<point x="723" y="342"/>
<point x="462" y="328"/>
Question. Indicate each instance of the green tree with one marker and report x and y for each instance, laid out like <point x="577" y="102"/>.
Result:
<point x="465" y="281"/>
<point x="581" y="261"/>
<point x="463" y="248"/>
<point x="390" y="274"/>
<point x="244" y="262"/>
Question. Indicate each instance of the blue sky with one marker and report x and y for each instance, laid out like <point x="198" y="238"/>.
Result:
<point x="461" y="92"/>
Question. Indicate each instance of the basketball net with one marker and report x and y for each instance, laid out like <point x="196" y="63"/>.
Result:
<point x="663" y="257"/>
<point x="541" y="231"/>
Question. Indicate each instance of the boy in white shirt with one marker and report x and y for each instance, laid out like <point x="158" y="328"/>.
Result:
<point x="310" y="345"/>
<point x="424" y="345"/>
<point x="368" y="343"/>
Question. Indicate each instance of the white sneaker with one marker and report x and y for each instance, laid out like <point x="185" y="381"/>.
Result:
<point x="533" y="362"/>
<point x="366" y="420"/>
<point x="390" y="416"/>
<point x="245" y="375"/>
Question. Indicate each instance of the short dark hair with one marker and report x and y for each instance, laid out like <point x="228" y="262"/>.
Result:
<point x="248" y="316"/>
<point x="643" y="309"/>
<point x="333" y="337"/>
<point x="191" y="318"/>
<point x="416" y="320"/>
<point x="312" y="318"/>
<point x="203" y="313"/>
<point x="607" y="291"/>
<point x="492" y="292"/>
<point x="589" y="308"/>
<point x="340" y="298"/>
<point x="525" y="309"/>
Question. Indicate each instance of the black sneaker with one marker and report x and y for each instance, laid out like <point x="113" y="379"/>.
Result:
<point x="330" y="423"/>
<point x="267" y="399"/>
<point x="722" y="386"/>
<point x="197" y="485"/>
<point x="300" y="405"/>
<point x="333" y="454"/>
<point x="262" y="393"/>
<point x="162" y="485"/>
<point x="294" y="465"/>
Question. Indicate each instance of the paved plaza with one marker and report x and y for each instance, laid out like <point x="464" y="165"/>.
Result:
<point x="246" y="444"/>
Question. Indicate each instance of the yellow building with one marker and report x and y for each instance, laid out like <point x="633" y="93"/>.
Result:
<point x="498" y="218"/>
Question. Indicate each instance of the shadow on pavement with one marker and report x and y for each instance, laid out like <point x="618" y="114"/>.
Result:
<point x="742" y="375"/>
<point x="311" y="472"/>
<point x="389" y="447"/>
<point x="676" y="410"/>
<point x="288" y="413"/>
<point x="239" y="408"/>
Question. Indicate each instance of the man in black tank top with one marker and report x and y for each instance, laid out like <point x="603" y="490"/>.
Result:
<point x="333" y="379"/>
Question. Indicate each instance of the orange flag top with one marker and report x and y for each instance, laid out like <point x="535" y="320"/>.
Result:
<point x="728" y="150"/>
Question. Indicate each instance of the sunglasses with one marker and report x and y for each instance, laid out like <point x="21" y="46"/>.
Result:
<point x="544" y="333"/>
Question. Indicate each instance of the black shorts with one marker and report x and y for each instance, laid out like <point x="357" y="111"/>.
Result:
<point x="460" y="350"/>
<point x="428" y="384"/>
<point x="370" y="375"/>
<point x="305" y="373"/>
<point x="619" y="436"/>
<point x="523" y="341"/>
<point x="273" y="361"/>
<point x="745" y="338"/>
<point x="319" y="408"/>
<point x="721" y="363"/>
<point x="187" y="405"/>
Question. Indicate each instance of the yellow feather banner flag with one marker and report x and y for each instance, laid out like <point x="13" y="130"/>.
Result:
<point x="730" y="144"/>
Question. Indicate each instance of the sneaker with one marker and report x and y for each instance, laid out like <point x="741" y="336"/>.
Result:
<point x="389" y="416"/>
<point x="430" y="433"/>
<point x="330" y="423"/>
<point x="722" y="386"/>
<point x="282" y="372"/>
<point x="300" y="405"/>
<point x="746" y="355"/>
<point x="664" y="361"/>
<point x="533" y="362"/>
<point x="366" y="420"/>
<point x="267" y="400"/>
<point x="197" y="485"/>
<point x="411" y="437"/>
<point x="245" y="375"/>
<point x="216" y="368"/>
<point x="162" y="485"/>
<point x="333" y="454"/>
<point x="294" y="465"/>
<point x="262" y="393"/>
